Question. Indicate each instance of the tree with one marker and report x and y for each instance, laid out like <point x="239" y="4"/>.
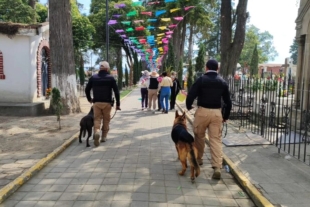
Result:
<point x="200" y="60"/>
<point x="190" y="76"/>
<point x="180" y="72"/>
<point x="41" y="11"/>
<point x="126" y="76"/>
<point x="264" y="42"/>
<point x="294" y="51"/>
<point x="62" y="54"/>
<point x="119" y="67"/>
<point x="170" y="64"/>
<point x="16" y="11"/>
<point x="232" y="44"/>
<point x="254" y="62"/>
<point x="82" y="72"/>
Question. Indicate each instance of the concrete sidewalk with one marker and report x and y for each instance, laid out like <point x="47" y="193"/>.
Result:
<point x="284" y="181"/>
<point x="137" y="166"/>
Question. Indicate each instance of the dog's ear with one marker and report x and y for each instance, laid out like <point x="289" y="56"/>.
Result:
<point x="176" y="114"/>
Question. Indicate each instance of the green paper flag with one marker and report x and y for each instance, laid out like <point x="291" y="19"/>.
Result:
<point x="132" y="13"/>
<point x="137" y="3"/>
<point x="126" y="22"/>
<point x="129" y="30"/>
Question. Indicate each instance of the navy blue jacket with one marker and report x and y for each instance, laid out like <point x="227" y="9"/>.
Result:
<point x="102" y="85"/>
<point x="210" y="90"/>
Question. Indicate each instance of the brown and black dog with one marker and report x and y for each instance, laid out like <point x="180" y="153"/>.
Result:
<point x="185" y="146"/>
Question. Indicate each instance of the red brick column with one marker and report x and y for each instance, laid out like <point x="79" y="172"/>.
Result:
<point x="43" y="44"/>
<point x="2" y="76"/>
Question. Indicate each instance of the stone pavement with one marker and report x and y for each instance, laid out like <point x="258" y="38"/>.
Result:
<point x="283" y="180"/>
<point x="26" y="140"/>
<point x="137" y="166"/>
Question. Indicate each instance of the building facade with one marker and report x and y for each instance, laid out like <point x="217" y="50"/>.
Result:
<point x="25" y="71"/>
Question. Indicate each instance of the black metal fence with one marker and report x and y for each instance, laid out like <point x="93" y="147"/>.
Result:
<point x="276" y="108"/>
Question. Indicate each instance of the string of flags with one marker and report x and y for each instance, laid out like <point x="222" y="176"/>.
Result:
<point x="153" y="45"/>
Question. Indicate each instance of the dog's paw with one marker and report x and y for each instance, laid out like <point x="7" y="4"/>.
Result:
<point x="193" y="179"/>
<point x="80" y="141"/>
<point x="181" y="172"/>
<point x="87" y="145"/>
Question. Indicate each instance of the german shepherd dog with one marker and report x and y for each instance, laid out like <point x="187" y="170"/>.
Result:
<point x="86" y="124"/>
<point x="185" y="146"/>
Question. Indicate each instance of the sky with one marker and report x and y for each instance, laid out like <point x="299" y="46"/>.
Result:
<point x="275" y="16"/>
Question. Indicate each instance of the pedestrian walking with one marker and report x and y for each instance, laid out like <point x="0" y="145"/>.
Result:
<point x="159" y="79"/>
<point x="165" y="91"/>
<point x="144" y="92"/>
<point x="102" y="85"/>
<point x="175" y="89"/>
<point x="210" y="90"/>
<point x="153" y="86"/>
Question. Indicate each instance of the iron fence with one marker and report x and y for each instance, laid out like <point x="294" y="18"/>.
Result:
<point x="275" y="108"/>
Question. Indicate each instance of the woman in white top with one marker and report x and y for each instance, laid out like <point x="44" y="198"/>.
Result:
<point x="165" y="91"/>
<point x="144" y="92"/>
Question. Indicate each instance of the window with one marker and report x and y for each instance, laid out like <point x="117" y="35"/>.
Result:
<point x="2" y="76"/>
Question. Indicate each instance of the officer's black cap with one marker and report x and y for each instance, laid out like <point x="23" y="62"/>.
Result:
<point x="212" y="65"/>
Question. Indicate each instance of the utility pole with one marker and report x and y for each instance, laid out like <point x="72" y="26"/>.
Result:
<point x="107" y="27"/>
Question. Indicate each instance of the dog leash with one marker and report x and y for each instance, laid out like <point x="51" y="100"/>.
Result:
<point x="224" y="126"/>
<point x="113" y="115"/>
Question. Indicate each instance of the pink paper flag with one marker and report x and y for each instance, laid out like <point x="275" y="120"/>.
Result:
<point x="188" y="8"/>
<point x="178" y="18"/>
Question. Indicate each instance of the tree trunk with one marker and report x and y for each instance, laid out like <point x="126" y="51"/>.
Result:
<point x="183" y="37"/>
<point x="190" y="40"/>
<point x="62" y="55"/>
<point x="32" y="3"/>
<point x="119" y="58"/>
<point x="231" y="48"/>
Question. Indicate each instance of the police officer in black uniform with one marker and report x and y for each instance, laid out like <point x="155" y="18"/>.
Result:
<point x="210" y="89"/>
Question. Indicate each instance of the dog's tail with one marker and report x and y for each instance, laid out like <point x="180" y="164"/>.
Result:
<point x="194" y="160"/>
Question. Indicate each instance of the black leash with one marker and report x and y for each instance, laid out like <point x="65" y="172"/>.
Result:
<point x="113" y="115"/>
<point x="224" y="126"/>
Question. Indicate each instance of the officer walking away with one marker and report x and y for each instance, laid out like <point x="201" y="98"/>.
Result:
<point x="102" y="85"/>
<point x="210" y="90"/>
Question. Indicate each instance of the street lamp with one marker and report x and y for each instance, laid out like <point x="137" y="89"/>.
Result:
<point x="107" y="27"/>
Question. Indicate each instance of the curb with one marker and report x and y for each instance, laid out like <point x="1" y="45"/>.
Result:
<point x="10" y="188"/>
<point x="254" y="194"/>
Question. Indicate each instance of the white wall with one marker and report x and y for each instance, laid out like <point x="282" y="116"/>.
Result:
<point x="20" y="66"/>
<point x="15" y="87"/>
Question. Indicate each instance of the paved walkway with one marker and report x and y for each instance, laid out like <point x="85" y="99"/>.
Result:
<point x="137" y="166"/>
<point x="282" y="179"/>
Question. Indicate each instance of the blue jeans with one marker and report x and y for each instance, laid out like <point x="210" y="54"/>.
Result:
<point x="164" y="94"/>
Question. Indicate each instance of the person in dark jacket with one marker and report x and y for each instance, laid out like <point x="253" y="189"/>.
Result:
<point x="210" y="89"/>
<point x="175" y="89"/>
<point x="102" y="85"/>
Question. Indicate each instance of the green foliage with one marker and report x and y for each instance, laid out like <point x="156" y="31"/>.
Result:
<point x="82" y="75"/>
<point x="56" y="103"/>
<point x="294" y="51"/>
<point x="16" y="11"/>
<point x="170" y="64"/>
<point x="264" y="42"/>
<point x="82" y="29"/>
<point x="190" y="76"/>
<point x="41" y="11"/>
<point x="200" y="60"/>
<point x="254" y="62"/>
<point x="126" y="77"/>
